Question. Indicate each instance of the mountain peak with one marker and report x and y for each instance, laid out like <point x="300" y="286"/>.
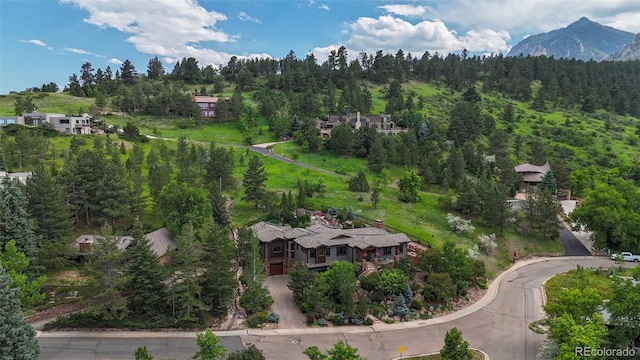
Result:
<point x="582" y="40"/>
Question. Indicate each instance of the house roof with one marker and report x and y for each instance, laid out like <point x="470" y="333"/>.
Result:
<point x="205" y="99"/>
<point x="530" y="168"/>
<point x="160" y="241"/>
<point x="267" y="232"/>
<point x="322" y="235"/>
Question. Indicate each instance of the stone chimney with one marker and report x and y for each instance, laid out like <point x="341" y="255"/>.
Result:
<point x="358" y="124"/>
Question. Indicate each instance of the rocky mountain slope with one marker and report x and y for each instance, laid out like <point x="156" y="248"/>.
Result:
<point x="630" y="51"/>
<point x="582" y="40"/>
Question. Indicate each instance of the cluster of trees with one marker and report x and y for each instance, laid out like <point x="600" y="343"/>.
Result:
<point x="576" y="320"/>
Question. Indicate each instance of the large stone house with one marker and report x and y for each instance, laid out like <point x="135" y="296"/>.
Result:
<point x="62" y="123"/>
<point x="318" y="246"/>
<point x="381" y="122"/>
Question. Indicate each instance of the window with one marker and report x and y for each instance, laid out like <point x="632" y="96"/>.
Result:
<point x="64" y="121"/>
<point x="277" y="249"/>
<point x="321" y="251"/>
<point x="342" y="251"/>
<point x="386" y="251"/>
<point x="312" y="253"/>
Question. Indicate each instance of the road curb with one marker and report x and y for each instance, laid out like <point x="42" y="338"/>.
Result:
<point x="486" y="356"/>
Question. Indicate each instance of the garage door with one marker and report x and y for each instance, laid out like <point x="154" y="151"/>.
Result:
<point x="276" y="269"/>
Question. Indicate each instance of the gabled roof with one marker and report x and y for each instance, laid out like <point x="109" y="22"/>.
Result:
<point x="205" y="99"/>
<point x="322" y="235"/>
<point x="268" y="232"/>
<point x="160" y="241"/>
<point x="529" y="168"/>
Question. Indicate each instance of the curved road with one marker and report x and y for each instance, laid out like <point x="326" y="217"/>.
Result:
<point x="497" y="324"/>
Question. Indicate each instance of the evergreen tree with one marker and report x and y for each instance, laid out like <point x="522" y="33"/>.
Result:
<point x="496" y="209"/>
<point x="377" y="159"/>
<point x="455" y="347"/>
<point x="105" y="277"/>
<point x="186" y="302"/>
<point x="375" y="198"/>
<point x="149" y="293"/>
<point x="159" y="176"/>
<point x="219" y="168"/>
<point x="548" y="183"/>
<point x="18" y="337"/>
<point x="52" y="217"/>
<point x="3" y="165"/>
<point x="113" y="192"/>
<point x="455" y="167"/>
<point x="219" y="207"/>
<point x="16" y="223"/>
<point x="250" y="352"/>
<point x="155" y="69"/>
<point x="218" y="281"/>
<point x="359" y="183"/>
<point x="253" y="181"/>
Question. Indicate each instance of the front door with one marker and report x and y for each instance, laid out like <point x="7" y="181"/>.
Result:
<point x="320" y="256"/>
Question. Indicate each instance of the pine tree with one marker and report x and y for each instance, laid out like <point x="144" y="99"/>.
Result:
<point x="377" y="159"/>
<point x="219" y="168"/>
<point x="159" y="176"/>
<point x="18" y="337"/>
<point x="3" y="165"/>
<point x="105" y="277"/>
<point x="218" y="281"/>
<point x="113" y="192"/>
<point x="219" y="207"/>
<point x="253" y="181"/>
<point x="186" y="303"/>
<point x="455" y="347"/>
<point x="149" y="293"/>
<point x="548" y="183"/>
<point x="52" y="216"/>
<point x="16" y="223"/>
<point x="375" y="198"/>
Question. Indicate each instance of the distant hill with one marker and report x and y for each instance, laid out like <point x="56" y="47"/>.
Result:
<point x="630" y="51"/>
<point x="582" y="40"/>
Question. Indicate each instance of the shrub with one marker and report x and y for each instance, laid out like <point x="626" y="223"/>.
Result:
<point x="401" y="308"/>
<point x="370" y="281"/>
<point x="359" y="183"/>
<point x="262" y="315"/>
<point x="392" y="282"/>
<point x="417" y="304"/>
<point x="487" y="243"/>
<point x="459" y="225"/>
<point x="273" y="318"/>
<point x="474" y="252"/>
<point x="368" y="321"/>
<point x="255" y="298"/>
<point x="322" y="322"/>
<point x="356" y="320"/>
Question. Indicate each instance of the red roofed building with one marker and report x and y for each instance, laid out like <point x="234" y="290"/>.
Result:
<point x="207" y="104"/>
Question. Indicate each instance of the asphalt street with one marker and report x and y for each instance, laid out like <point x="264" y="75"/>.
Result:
<point x="497" y="324"/>
<point x="572" y="246"/>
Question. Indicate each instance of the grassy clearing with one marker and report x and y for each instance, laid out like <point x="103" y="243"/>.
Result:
<point x="205" y="130"/>
<point x="580" y="279"/>
<point x="59" y="103"/>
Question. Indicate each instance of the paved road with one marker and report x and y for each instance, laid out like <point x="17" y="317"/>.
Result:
<point x="572" y="246"/>
<point x="497" y="324"/>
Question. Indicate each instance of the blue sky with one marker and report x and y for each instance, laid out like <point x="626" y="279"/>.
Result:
<point x="48" y="40"/>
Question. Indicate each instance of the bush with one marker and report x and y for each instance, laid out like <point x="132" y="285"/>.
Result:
<point x="368" y="321"/>
<point x="322" y="322"/>
<point x="417" y="304"/>
<point x="370" y="282"/>
<point x="474" y="252"/>
<point x="459" y="225"/>
<point x="487" y="243"/>
<point x="273" y="318"/>
<point x="359" y="183"/>
<point x="253" y="322"/>
<point x="340" y="319"/>
<point x="356" y="320"/>
<point x="401" y="308"/>
<point x="392" y="282"/>
<point x="255" y="298"/>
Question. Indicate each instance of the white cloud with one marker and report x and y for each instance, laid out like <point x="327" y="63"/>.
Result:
<point x="324" y="7"/>
<point x="115" y="61"/>
<point x="405" y="9"/>
<point x="389" y="34"/>
<point x="311" y="2"/>
<point x="245" y="17"/>
<point x="168" y="29"/>
<point x="37" y="42"/>
<point x="83" y="52"/>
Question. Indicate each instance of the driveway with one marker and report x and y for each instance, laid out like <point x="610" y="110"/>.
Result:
<point x="290" y="316"/>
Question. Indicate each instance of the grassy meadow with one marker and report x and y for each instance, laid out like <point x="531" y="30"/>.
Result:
<point x="58" y="103"/>
<point x="580" y="279"/>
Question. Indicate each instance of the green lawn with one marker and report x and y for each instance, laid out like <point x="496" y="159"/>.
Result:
<point x="195" y="130"/>
<point x="579" y="279"/>
<point x="59" y="103"/>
